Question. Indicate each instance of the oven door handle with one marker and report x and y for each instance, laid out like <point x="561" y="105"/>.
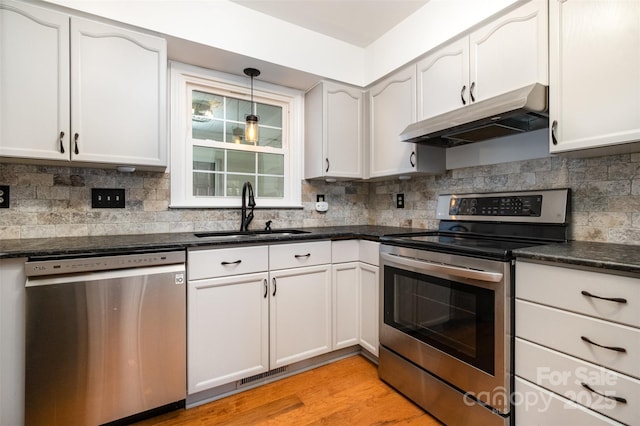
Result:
<point x="454" y="271"/>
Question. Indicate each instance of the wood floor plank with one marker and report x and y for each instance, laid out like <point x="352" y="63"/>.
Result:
<point x="346" y="392"/>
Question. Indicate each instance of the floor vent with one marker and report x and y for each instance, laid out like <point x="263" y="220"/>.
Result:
<point x="262" y="376"/>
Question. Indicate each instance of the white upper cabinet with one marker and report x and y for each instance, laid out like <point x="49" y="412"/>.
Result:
<point x="594" y="76"/>
<point x="508" y="53"/>
<point x="118" y="95"/>
<point x="392" y="107"/>
<point x="78" y="90"/>
<point x="34" y="82"/>
<point x="333" y="132"/>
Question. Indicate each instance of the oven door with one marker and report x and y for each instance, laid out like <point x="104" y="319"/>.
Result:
<point x="450" y="315"/>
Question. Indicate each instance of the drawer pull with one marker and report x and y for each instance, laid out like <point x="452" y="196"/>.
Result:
<point x="275" y="286"/>
<point x="612" y="348"/>
<point x="237" y="262"/>
<point x="266" y="288"/>
<point x="610" y="299"/>
<point x="615" y="398"/>
<point x="298" y="256"/>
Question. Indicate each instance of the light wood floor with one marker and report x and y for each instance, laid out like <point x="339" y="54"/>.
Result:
<point x="346" y="392"/>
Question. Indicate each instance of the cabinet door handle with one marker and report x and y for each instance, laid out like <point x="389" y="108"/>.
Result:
<point x="298" y="256"/>
<point x="473" y="86"/>
<point x="554" y="128"/>
<point x="225" y="263"/>
<point x="412" y="159"/>
<point x="615" y="398"/>
<point x="266" y="288"/>
<point x="464" y="87"/>
<point x="61" y="144"/>
<point x="611" y="348"/>
<point x="275" y="286"/>
<point x="610" y="299"/>
<point x="75" y="140"/>
<point x="327" y="160"/>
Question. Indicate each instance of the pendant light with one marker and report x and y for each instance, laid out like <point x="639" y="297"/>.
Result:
<point x="251" y="126"/>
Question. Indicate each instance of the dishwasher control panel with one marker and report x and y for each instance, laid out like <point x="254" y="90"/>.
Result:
<point x="35" y="267"/>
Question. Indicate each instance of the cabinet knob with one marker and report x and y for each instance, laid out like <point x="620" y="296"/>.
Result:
<point x="464" y="102"/>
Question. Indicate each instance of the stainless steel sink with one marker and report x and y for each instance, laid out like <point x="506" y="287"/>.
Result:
<point x="231" y="235"/>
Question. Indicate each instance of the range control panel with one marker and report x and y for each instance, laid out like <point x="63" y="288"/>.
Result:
<point x="526" y="205"/>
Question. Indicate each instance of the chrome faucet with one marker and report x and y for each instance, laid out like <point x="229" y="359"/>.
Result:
<point x="246" y="219"/>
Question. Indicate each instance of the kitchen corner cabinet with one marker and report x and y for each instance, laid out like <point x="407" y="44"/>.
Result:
<point x="594" y="58"/>
<point x="392" y="107"/>
<point x="300" y="301"/>
<point x="508" y="53"/>
<point x="228" y="316"/>
<point x="577" y="345"/>
<point x="333" y="132"/>
<point x="82" y="91"/>
<point x="355" y="294"/>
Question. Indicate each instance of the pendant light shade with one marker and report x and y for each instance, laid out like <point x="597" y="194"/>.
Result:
<point x="251" y="125"/>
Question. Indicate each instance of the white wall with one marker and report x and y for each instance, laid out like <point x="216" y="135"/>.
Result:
<point x="225" y="25"/>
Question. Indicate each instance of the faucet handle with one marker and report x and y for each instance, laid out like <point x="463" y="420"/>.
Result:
<point x="267" y="226"/>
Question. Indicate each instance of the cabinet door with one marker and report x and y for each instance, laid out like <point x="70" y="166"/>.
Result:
<point x="392" y="107"/>
<point x="346" y="294"/>
<point x="343" y="140"/>
<point x="369" y="307"/>
<point x="227" y="330"/>
<point x="443" y="80"/>
<point x="34" y="82"/>
<point x="594" y="73"/>
<point x="510" y="52"/>
<point x="300" y="314"/>
<point x="118" y="102"/>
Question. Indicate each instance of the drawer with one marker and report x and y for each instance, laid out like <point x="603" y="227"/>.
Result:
<point x="345" y="251"/>
<point x="284" y="256"/>
<point x="564" y="331"/>
<point x="562" y="287"/>
<point x="227" y="261"/>
<point x="536" y="406"/>
<point x="370" y="252"/>
<point x="564" y="375"/>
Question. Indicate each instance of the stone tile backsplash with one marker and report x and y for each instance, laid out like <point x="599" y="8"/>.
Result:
<point x="56" y="201"/>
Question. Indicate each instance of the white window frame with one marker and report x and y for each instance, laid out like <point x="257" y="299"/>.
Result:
<point x="185" y="78"/>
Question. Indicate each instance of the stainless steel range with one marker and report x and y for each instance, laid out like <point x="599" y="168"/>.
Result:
<point x="446" y="302"/>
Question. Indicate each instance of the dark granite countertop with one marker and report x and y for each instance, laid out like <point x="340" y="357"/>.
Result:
<point x="177" y="241"/>
<point x="620" y="257"/>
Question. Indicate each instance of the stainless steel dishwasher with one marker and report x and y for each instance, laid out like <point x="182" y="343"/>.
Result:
<point x="106" y="337"/>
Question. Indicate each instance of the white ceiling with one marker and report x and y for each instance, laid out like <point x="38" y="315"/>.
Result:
<point x="357" y="22"/>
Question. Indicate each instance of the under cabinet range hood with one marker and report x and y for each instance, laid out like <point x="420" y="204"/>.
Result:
<point x="518" y="111"/>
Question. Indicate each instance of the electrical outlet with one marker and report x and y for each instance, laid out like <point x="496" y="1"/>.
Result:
<point x="107" y="198"/>
<point x="400" y="201"/>
<point x="320" y="198"/>
<point x="4" y="196"/>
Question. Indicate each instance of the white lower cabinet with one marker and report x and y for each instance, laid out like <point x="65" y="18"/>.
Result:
<point x="300" y="314"/>
<point x="577" y="345"/>
<point x="355" y="294"/>
<point x="228" y="323"/>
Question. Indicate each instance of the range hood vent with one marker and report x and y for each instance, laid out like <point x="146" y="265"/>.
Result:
<point x="518" y="111"/>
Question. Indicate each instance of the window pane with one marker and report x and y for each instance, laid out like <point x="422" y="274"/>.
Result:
<point x="270" y="115"/>
<point x="235" y="182"/>
<point x="238" y="109"/>
<point x="270" y="137"/>
<point x="272" y="187"/>
<point x="235" y="133"/>
<point x="212" y="130"/>
<point x="241" y="162"/>
<point x="205" y="106"/>
<point x="271" y="164"/>
<point x="208" y="184"/>
<point x="205" y="158"/>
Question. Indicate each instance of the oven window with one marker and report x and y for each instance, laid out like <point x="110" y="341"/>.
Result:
<point x="453" y="317"/>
